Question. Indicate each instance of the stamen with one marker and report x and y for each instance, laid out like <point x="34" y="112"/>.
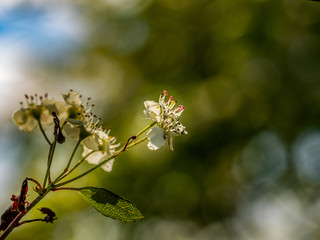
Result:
<point x="172" y="103"/>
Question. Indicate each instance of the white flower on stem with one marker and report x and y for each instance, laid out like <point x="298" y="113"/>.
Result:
<point x="82" y="124"/>
<point x="37" y="109"/>
<point x="75" y="108"/>
<point x="167" y="117"/>
<point x="103" y="146"/>
<point x="80" y="121"/>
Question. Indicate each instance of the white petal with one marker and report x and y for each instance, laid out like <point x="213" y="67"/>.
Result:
<point x="86" y="151"/>
<point x="91" y="142"/>
<point x="24" y="121"/>
<point x="59" y="107"/>
<point x="153" y="110"/>
<point x="94" y="158"/>
<point x="72" y="98"/>
<point x="98" y="157"/>
<point x="72" y="131"/>
<point x="46" y="118"/>
<point x="150" y="104"/>
<point x="108" y="165"/>
<point x="19" y="117"/>
<point x="156" y="138"/>
<point x="103" y="135"/>
<point x="29" y="125"/>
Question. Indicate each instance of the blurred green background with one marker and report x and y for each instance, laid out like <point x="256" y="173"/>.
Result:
<point x="248" y="74"/>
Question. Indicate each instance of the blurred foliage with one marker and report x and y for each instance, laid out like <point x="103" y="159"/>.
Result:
<point x="248" y="74"/>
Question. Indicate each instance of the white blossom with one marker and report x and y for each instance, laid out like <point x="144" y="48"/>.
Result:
<point x="167" y="117"/>
<point x="103" y="146"/>
<point x="80" y="122"/>
<point x="37" y="109"/>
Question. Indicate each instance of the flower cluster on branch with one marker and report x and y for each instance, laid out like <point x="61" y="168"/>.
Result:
<point x="76" y="119"/>
<point x="73" y="118"/>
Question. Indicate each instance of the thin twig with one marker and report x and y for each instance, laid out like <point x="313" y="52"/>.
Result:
<point x="103" y="162"/>
<point x="51" y="151"/>
<point x="72" y="155"/>
<point x="66" y="188"/>
<point x="61" y="176"/>
<point x="36" y="182"/>
<point x="145" y="129"/>
<point x="29" y="221"/>
<point x="90" y="170"/>
<point x="128" y="141"/>
<point x="11" y="226"/>
<point x="137" y="142"/>
<point x="43" y="132"/>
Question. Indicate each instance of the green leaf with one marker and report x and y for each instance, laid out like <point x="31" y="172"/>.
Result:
<point x="110" y="204"/>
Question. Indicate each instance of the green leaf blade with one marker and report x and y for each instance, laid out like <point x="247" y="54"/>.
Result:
<point x="110" y="204"/>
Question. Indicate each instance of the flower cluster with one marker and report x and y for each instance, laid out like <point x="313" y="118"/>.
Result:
<point x="37" y="110"/>
<point x="167" y="118"/>
<point x="76" y="120"/>
<point x="74" y="117"/>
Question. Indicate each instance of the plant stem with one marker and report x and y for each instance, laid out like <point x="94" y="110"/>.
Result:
<point x="29" y="221"/>
<point x="137" y="142"/>
<point x="15" y="222"/>
<point x="93" y="168"/>
<point x="110" y="157"/>
<point x="43" y="132"/>
<point x="66" y="188"/>
<point x="12" y="225"/>
<point x="90" y="170"/>
<point x="72" y="169"/>
<point x="145" y="129"/>
<point x="134" y="137"/>
<point x="51" y="187"/>
<point x="51" y="151"/>
<point x="72" y="155"/>
<point x="36" y="182"/>
<point x="62" y="175"/>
